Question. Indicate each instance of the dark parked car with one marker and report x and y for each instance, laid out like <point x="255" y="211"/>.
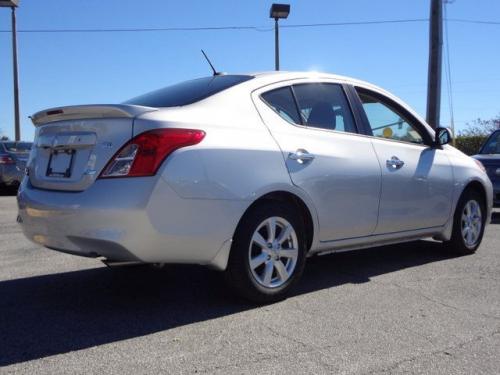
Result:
<point x="489" y="156"/>
<point x="13" y="158"/>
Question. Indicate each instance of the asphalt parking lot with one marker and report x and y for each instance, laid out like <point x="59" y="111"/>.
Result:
<point x="406" y="309"/>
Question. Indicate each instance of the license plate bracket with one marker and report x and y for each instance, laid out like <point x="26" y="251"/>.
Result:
<point x="60" y="163"/>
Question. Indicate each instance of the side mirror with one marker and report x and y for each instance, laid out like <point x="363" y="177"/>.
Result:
<point x="443" y="136"/>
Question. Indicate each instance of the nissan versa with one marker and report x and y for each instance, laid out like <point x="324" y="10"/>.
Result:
<point x="250" y="175"/>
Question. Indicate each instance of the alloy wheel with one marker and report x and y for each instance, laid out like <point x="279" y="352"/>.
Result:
<point x="472" y="222"/>
<point x="273" y="252"/>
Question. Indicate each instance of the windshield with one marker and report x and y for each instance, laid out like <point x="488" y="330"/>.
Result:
<point x="492" y="145"/>
<point x="188" y="92"/>
<point x="17" y="146"/>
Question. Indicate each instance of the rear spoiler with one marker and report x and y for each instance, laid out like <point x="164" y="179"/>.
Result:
<point x="78" y="112"/>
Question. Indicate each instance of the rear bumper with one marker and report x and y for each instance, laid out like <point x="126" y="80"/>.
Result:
<point x="10" y="175"/>
<point x="137" y="219"/>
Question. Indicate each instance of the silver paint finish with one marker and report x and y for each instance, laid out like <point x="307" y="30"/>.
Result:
<point x="417" y="194"/>
<point x="189" y="211"/>
<point x="95" y="141"/>
<point x="117" y="218"/>
<point x="80" y="112"/>
<point x="343" y="178"/>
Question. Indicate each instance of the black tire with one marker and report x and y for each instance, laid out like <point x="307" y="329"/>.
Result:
<point x="457" y="243"/>
<point x="239" y="274"/>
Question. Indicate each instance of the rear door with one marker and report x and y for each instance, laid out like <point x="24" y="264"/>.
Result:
<point x="316" y="131"/>
<point x="417" y="179"/>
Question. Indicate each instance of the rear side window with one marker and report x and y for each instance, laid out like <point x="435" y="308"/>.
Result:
<point x="188" y="92"/>
<point x="324" y="105"/>
<point x="316" y="105"/>
<point x="281" y="100"/>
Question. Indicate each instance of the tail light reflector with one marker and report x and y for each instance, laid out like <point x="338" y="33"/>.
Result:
<point x="144" y="154"/>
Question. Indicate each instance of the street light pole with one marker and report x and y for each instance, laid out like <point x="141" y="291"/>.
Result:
<point x="278" y="11"/>
<point x="16" y="77"/>
<point x="13" y="4"/>
<point x="276" y="45"/>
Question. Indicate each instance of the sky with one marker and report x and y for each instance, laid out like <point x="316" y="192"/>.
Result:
<point x="82" y="68"/>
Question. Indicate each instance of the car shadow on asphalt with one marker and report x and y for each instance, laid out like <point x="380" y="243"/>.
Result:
<point x="8" y="192"/>
<point x="52" y="314"/>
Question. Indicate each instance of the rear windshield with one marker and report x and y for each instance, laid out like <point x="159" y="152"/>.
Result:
<point x="188" y="92"/>
<point x="17" y="146"/>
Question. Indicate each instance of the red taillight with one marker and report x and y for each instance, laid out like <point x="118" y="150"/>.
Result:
<point x="6" y="159"/>
<point x="143" y="155"/>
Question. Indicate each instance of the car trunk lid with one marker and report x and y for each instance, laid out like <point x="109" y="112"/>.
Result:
<point x="73" y="144"/>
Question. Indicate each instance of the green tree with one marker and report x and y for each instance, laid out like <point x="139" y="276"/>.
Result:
<point x="475" y="134"/>
<point x="480" y="127"/>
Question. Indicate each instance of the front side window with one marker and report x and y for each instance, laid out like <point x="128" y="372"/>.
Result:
<point x="386" y="122"/>
<point x="316" y="105"/>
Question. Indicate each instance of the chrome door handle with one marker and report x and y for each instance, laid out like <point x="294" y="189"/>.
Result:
<point x="394" y="163"/>
<point x="301" y="156"/>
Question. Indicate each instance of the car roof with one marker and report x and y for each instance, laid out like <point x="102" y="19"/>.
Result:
<point x="279" y="75"/>
<point x="270" y="77"/>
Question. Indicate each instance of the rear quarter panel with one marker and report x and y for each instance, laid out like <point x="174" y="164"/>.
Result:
<point x="238" y="160"/>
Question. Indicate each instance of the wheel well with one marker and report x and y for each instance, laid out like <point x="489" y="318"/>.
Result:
<point x="477" y="187"/>
<point x="297" y="203"/>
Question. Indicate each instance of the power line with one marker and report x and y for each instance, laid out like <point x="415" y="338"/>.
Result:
<point x="244" y="28"/>
<point x="216" y="28"/>
<point x="356" y="23"/>
<point x="143" y="29"/>
<point x="462" y="20"/>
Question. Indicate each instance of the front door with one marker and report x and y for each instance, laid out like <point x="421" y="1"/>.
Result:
<point x="417" y="179"/>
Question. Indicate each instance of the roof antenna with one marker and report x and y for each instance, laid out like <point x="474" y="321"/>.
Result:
<point x="216" y="73"/>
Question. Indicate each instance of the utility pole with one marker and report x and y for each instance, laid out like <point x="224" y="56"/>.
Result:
<point x="435" y="57"/>
<point x="16" y="77"/>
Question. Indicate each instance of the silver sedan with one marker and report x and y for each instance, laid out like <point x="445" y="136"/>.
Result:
<point x="248" y="174"/>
